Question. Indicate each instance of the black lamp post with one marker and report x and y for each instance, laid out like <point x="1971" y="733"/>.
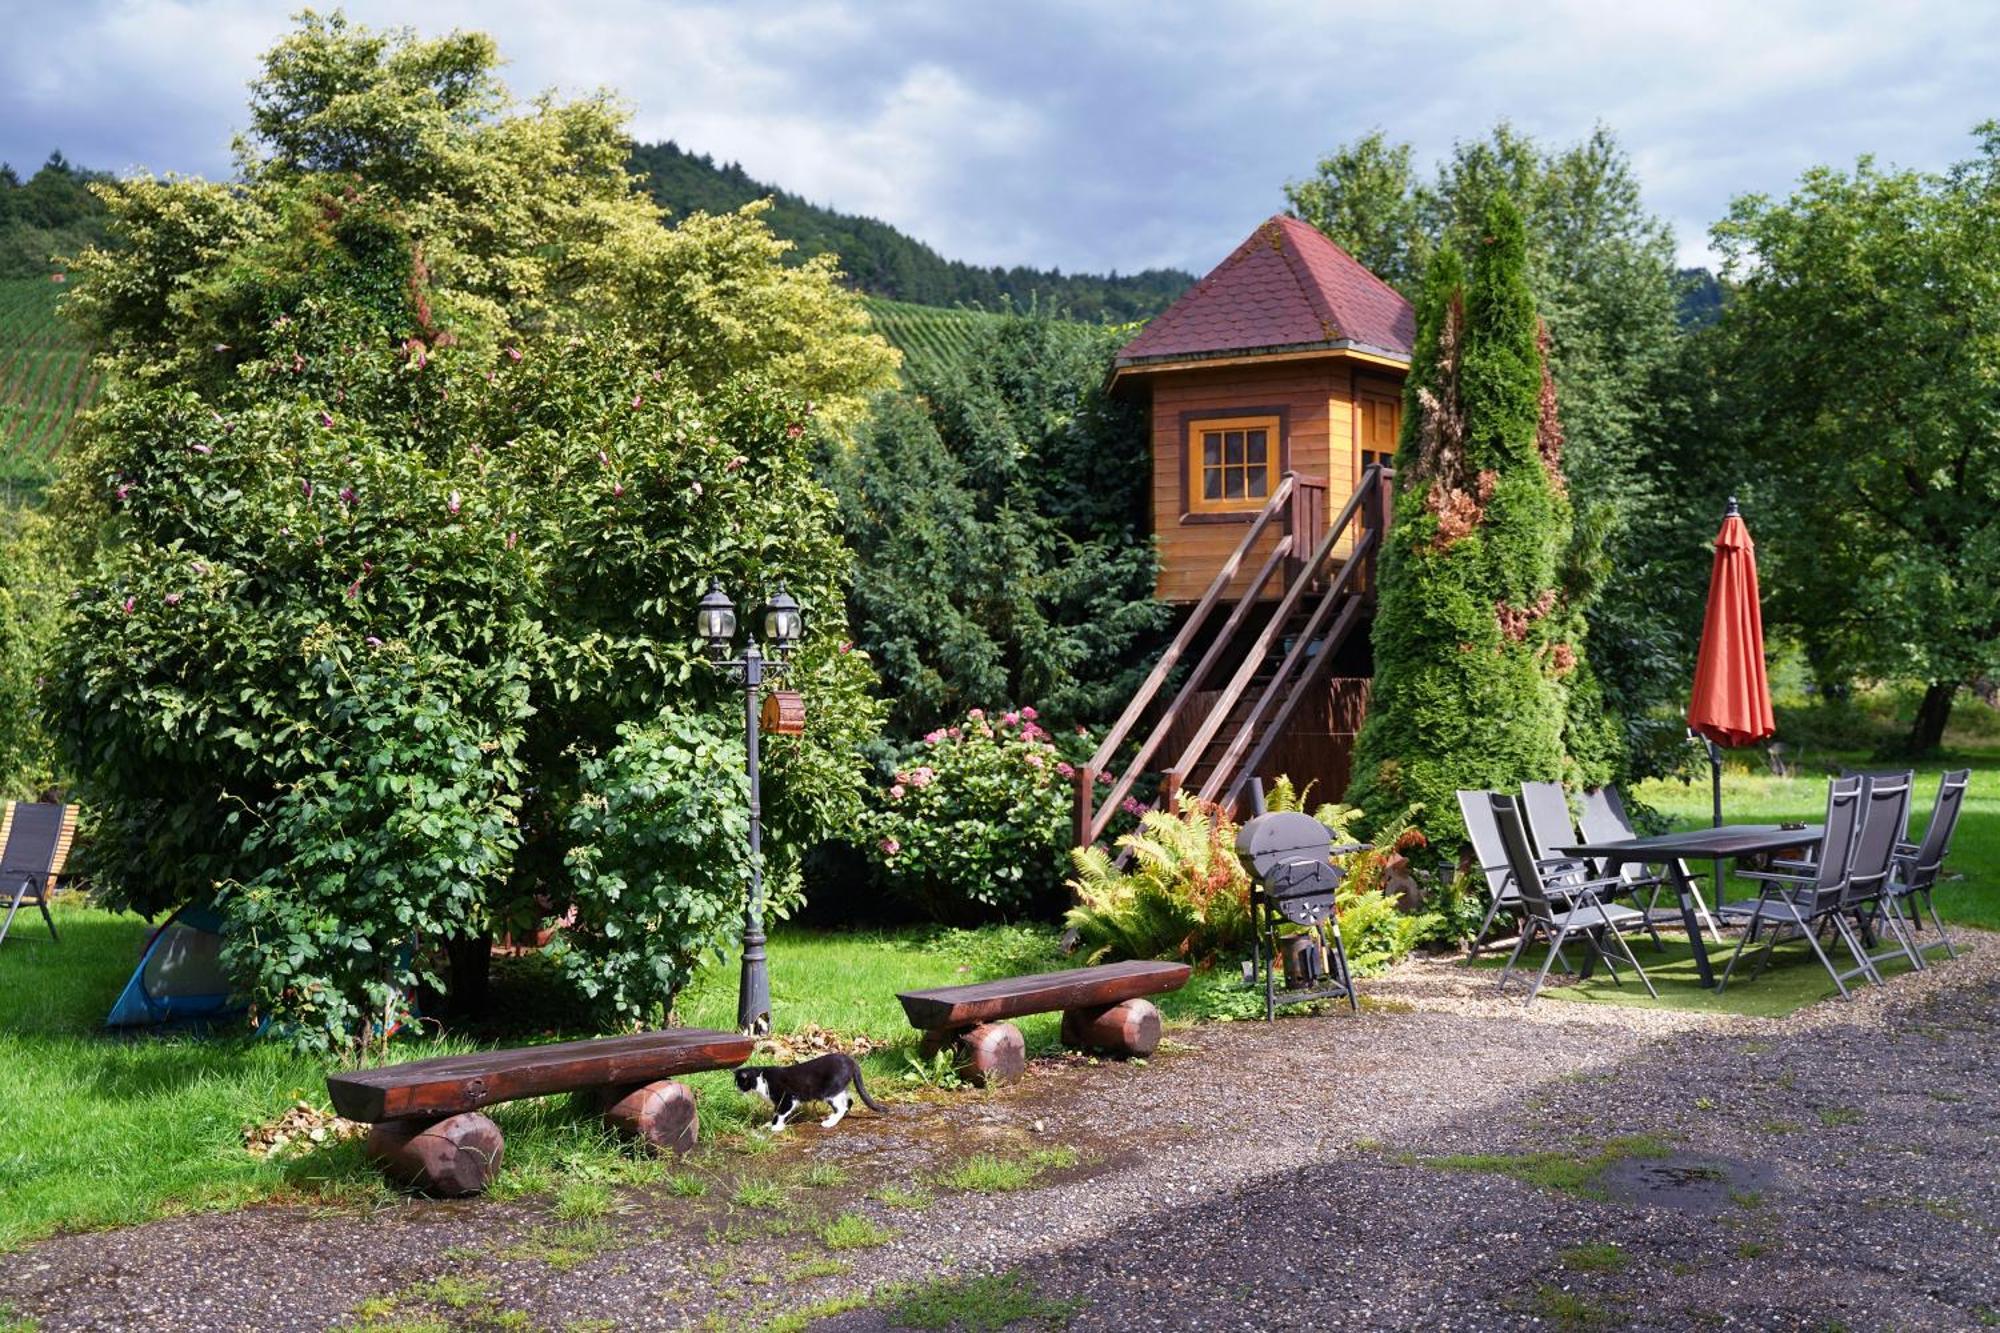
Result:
<point x="715" y="621"/>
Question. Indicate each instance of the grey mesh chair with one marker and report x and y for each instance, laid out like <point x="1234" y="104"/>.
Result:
<point x="1476" y="807"/>
<point x="1545" y="808"/>
<point x="1885" y="818"/>
<point x="1919" y="864"/>
<point x="1787" y="876"/>
<point x="38" y="836"/>
<point x="1578" y="913"/>
<point x="1806" y="904"/>
<point x="1604" y="820"/>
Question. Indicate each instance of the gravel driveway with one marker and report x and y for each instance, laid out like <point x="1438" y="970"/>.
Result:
<point x="1446" y="1159"/>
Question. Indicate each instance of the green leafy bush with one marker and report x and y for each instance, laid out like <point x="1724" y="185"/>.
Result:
<point x="658" y="862"/>
<point x="421" y="441"/>
<point x="977" y="818"/>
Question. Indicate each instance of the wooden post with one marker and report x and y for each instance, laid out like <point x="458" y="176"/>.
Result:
<point x="1128" y="1028"/>
<point x="661" y="1115"/>
<point x="449" y="1158"/>
<point x="989" y="1054"/>
<point x="1170" y="787"/>
<point x="1086" y="792"/>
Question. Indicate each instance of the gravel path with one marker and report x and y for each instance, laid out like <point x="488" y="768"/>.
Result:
<point x="1839" y="1168"/>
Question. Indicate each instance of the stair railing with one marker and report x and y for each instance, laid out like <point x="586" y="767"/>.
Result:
<point x="1355" y="581"/>
<point x="1093" y="816"/>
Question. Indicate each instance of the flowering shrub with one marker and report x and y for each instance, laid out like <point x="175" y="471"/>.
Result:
<point x="976" y="820"/>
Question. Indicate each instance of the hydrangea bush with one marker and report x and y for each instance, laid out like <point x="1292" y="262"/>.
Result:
<point x="976" y="820"/>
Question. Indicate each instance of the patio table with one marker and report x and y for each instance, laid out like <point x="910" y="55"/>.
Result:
<point x="1730" y="842"/>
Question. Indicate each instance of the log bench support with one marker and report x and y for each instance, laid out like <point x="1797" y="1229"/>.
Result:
<point x="1129" y="1028"/>
<point x="985" y="1055"/>
<point x="450" y="1158"/>
<point x="660" y="1115"/>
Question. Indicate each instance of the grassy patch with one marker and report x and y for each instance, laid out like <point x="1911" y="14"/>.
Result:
<point x="1567" y="1309"/>
<point x="178" y="1105"/>
<point x="1601" y="1257"/>
<point x="823" y="1176"/>
<point x="984" y="1173"/>
<point x="901" y="1196"/>
<point x="1564" y="1172"/>
<point x="564" y="1247"/>
<point x="581" y="1200"/>
<point x="758" y="1194"/>
<point x="975" y="1305"/>
<point x="1833" y="1117"/>
<point x="686" y="1185"/>
<point x="817" y="1268"/>
<point x="852" y="1231"/>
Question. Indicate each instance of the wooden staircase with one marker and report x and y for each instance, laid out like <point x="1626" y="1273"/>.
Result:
<point x="1269" y="652"/>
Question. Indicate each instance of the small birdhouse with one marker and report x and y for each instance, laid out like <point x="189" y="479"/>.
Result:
<point x="784" y="713"/>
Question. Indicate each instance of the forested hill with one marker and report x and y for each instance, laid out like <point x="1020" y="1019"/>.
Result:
<point x="882" y="261"/>
<point x="51" y="213"/>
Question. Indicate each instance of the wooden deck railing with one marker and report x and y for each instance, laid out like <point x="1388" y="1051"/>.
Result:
<point x="1305" y="548"/>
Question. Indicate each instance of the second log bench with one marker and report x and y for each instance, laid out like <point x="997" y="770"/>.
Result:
<point x="428" y="1131"/>
<point x="1103" y="1010"/>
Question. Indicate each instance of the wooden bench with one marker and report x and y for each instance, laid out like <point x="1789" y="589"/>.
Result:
<point x="1102" y="1011"/>
<point x="428" y="1131"/>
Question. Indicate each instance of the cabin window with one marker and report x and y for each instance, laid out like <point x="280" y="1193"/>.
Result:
<point x="1381" y="422"/>
<point x="1232" y="464"/>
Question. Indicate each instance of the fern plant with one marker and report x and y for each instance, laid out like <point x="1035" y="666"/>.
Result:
<point x="1185" y="896"/>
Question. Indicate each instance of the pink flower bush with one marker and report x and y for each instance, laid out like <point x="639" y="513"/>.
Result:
<point x="980" y="817"/>
<point x="889" y="846"/>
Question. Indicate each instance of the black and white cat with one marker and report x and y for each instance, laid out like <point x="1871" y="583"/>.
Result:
<point x="821" y="1079"/>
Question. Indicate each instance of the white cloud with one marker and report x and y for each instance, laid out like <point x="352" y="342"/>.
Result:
<point x="1090" y="136"/>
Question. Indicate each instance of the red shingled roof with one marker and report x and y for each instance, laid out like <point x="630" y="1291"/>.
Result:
<point x="1286" y="287"/>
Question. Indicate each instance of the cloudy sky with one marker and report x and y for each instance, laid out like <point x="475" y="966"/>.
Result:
<point x="1090" y="136"/>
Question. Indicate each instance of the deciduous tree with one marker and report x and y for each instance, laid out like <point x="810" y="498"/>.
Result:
<point x="1863" y="346"/>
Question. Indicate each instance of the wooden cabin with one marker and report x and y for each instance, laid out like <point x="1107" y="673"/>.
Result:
<point x="1274" y="386"/>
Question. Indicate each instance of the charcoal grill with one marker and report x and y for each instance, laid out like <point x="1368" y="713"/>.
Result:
<point x="1293" y="884"/>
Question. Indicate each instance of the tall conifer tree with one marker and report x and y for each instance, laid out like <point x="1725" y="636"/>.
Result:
<point x="1478" y="646"/>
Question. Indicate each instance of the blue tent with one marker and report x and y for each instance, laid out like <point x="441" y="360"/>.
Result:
<point x="180" y="978"/>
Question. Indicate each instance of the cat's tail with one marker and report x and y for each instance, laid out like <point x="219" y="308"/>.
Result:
<point x="861" y="1091"/>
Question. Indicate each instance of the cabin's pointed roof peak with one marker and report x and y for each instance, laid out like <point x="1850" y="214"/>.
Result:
<point x="1286" y="289"/>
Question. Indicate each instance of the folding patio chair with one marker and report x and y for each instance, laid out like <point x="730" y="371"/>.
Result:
<point x="1919" y="864"/>
<point x="1885" y="818"/>
<point x="1579" y="911"/>
<point x="1477" y="809"/>
<point x="1545" y="808"/>
<point x="34" y="840"/>
<point x="1809" y="903"/>
<point x="1604" y="820"/>
<point x="1787" y="873"/>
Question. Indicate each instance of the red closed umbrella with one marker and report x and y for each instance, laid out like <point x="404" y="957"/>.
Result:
<point x="1731" y="704"/>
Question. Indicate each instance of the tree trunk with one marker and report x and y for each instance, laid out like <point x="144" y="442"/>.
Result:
<point x="1932" y="714"/>
<point x="471" y="958"/>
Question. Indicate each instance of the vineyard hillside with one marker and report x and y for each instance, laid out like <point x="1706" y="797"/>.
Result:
<point x="45" y="380"/>
<point x="929" y="337"/>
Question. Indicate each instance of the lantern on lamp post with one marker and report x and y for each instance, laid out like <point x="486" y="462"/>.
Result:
<point x="783" y="626"/>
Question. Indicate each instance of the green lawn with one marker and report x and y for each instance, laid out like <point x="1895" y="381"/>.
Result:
<point x="1759" y="798"/>
<point x="106" y="1130"/>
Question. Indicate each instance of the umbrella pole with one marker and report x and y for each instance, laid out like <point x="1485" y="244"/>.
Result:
<point x="1715" y="791"/>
